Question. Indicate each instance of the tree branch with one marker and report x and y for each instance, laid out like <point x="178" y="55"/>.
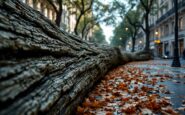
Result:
<point x="143" y="4"/>
<point x="53" y="5"/>
<point x="89" y="8"/>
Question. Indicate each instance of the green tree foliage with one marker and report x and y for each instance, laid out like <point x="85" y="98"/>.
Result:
<point x="98" y="14"/>
<point x="146" y="7"/>
<point x="121" y="35"/>
<point x="128" y="28"/>
<point x="101" y="11"/>
<point x="88" y="13"/>
<point x="82" y="7"/>
<point x="98" y="36"/>
<point x="131" y="20"/>
<point x="85" y="24"/>
<point x="78" y="7"/>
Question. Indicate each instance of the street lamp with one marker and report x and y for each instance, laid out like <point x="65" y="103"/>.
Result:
<point x="156" y="33"/>
<point x="126" y="29"/>
<point x="176" y="61"/>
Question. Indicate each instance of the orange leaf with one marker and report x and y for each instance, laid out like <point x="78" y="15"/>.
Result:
<point x="80" y="110"/>
<point x="86" y="103"/>
<point x="117" y="94"/>
<point x="153" y="105"/>
<point x="112" y="97"/>
<point x="96" y="104"/>
<point x="125" y="99"/>
<point x="109" y="113"/>
<point x="129" y="110"/>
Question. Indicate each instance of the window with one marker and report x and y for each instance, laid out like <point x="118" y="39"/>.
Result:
<point x="161" y="12"/>
<point x="166" y="29"/>
<point x="49" y="14"/>
<point x="173" y="27"/>
<point x="53" y="16"/>
<point x="172" y="4"/>
<point x="38" y="6"/>
<point x="42" y="7"/>
<point x="167" y="6"/>
<point x="162" y="31"/>
<point x="45" y="12"/>
<point x="181" y="23"/>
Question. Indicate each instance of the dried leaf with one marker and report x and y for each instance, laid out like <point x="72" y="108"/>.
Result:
<point x="80" y="110"/>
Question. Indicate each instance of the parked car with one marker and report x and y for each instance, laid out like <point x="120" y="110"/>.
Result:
<point x="166" y="57"/>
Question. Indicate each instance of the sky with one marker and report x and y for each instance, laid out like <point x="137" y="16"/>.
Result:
<point x="108" y="32"/>
<point x="108" y="29"/>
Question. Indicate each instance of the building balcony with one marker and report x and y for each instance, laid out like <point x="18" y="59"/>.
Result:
<point x="167" y="14"/>
<point x="181" y="4"/>
<point x="170" y="12"/>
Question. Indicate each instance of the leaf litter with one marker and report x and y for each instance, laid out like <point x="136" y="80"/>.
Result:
<point x="127" y="89"/>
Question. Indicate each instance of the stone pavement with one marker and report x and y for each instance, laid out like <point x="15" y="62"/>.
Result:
<point x="175" y="85"/>
<point x="167" y="61"/>
<point x="149" y="87"/>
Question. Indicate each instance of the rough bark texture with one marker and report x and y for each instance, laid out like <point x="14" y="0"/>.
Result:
<point x="44" y="70"/>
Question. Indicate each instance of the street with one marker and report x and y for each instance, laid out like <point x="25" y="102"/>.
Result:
<point x="149" y="87"/>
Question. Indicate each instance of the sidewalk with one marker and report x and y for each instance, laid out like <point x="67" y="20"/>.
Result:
<point x="151" y="87"/>
<point x="168" y="61"/>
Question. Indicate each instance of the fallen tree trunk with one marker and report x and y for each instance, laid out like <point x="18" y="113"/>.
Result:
<point x="44" y="70"/>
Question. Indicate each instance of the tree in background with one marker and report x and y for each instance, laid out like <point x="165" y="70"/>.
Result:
<point x="82" y="7"/>
<point x="58" y="8"/>
<point x="88" y="14"/>
<point x="99" y="13"/>
<point x="127" y="29"/>
<point x="78" y="7"/>
<point x="146" y="7"/>
<point x="87" y="24"/>
<point x="121" y="35"/>
<point x="131" y="21"/>
<point x="98" y="36"/>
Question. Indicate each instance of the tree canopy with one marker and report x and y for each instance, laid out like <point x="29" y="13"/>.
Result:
<point x="121" y="35"/>
<point x="98" y="36"/>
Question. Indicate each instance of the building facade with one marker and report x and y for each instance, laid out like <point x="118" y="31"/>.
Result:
<point x="43" y="7"/>
<point x="68" y="18"/>
<point x="48" y="11"/>
<point x="162" y="26"/>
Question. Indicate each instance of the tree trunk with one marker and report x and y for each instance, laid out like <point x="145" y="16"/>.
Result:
<point x="58" y="17"/>
<point x="77" y="23"/>
<point x="147" y="32"/>
<point x="44" y="70"/>
<point x="133" y="43"/>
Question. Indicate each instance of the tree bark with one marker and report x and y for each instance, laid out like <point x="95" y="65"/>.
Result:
<point x="44" y="70"/>
<point x="133" y="44"/>
<point x="147" y="32"/>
